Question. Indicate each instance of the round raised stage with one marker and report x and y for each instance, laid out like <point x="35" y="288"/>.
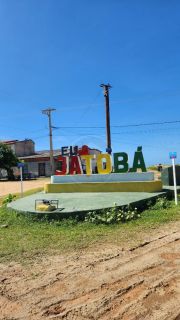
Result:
<point x="70" y="203"/>
<point x="83" y="193"/>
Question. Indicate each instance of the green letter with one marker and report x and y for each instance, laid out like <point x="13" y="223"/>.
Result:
<point x="138" y="162"/>
<point x="123" y="162"/>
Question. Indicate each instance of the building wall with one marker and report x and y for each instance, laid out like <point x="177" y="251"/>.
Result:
<point x="33" y="167"/>
<point x="33" y="163"/>
<point x="24" y="148"/>
<point x="94" y="165"/>
<point x="48" y="169"/>
<point x="12" y="147"/>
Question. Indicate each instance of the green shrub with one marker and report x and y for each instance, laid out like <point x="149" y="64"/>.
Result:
<point x="153" y="168"/>
<point x="9" y="199"/>
<point x="161" y="203"/>
<point x="112" y="215"/>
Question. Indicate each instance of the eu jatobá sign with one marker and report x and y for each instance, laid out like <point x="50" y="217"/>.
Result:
<point x="114" y="174"/>
<point x="117" y="163"/>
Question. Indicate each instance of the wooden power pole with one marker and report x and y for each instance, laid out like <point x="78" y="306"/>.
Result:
<point x="108" y="128"/>
<point x="48" y="113"/>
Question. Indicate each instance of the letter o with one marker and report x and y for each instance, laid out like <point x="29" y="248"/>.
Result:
<point x="100" y="168"/>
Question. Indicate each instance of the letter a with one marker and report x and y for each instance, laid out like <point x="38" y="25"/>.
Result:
<point x="75" y="165"/>
<point x="138" y="162"/>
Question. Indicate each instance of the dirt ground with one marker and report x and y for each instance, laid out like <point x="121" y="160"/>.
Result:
<point x="104" y="282"/>
<point x="7" y="187"/>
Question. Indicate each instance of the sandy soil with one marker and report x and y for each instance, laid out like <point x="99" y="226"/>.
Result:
<point x="7" y="187"/>
<point x="108" y="282"/>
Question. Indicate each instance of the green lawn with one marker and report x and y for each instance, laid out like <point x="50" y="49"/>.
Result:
<point x="23" y="238"/>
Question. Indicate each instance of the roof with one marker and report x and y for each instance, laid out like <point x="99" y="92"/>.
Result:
<point x="42" y="154"/>
<point x="46" y="154"/>
<point x="95" y="149"/>
<point x="14" y="141"/>
<point x="8" y="141"/>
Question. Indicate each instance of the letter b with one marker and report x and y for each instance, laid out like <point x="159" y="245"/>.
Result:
<point x="121" y="166"/>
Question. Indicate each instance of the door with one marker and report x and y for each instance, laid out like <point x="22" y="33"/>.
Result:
<point x="41" y="169"/>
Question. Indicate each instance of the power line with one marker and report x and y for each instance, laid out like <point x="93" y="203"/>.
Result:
<point x="148" y="97"/>
<point x="145" y="131"/>
<point x="147" y="124"/>
<point x="119" y="126"/>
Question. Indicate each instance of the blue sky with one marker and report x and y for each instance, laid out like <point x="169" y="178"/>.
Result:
<point x="57" y="52"/>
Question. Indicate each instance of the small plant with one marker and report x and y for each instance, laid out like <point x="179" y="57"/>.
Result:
<point x="113" y="215"/>
<point x="155" y="168"/>
<point x="9" y="199"/>
<point x="161" y="203"/>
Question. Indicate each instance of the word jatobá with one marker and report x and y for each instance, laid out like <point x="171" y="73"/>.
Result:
<point x="117" y="163"/>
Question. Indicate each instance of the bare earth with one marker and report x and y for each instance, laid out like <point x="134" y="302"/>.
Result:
<point x="106" y="282"/>
<point x="7" y="187"/>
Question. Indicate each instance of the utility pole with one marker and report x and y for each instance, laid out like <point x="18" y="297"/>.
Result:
<point x="48" y="113"/>
<point x="108" y="129"/>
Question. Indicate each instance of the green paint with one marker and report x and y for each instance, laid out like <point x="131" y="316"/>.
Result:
<point x="138" y="162"/>
<point x="123" y="162"/>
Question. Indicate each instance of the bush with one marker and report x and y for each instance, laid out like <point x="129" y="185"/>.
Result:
<point x="9" y="198"/>
<point x="161" y="203"/>
<point x="155" y="168"/>
<point x="112" y="215"/>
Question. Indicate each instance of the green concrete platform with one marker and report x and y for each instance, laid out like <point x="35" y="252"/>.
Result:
<point x="83" y="202"/>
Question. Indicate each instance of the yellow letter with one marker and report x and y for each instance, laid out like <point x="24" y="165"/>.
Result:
<point x="108" y="167"/>
<point x="88" y="163"/>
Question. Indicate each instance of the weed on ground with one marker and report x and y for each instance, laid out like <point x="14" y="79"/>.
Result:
<point x="22" y="237"/>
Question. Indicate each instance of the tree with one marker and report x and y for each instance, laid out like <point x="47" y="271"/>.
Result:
<point x="7" y="160"/>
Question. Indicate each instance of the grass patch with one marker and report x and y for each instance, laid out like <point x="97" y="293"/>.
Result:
<point x="152" y="168"/>
<point x="24" y="238"/>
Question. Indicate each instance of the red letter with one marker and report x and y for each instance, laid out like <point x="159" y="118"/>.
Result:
<point x="75" y="165"/>
<point x="64" y="166"/>
<point x="84" y="150"/>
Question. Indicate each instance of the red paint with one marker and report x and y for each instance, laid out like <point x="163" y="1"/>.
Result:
<point x="63" y="160"/>
<point x="75" y="167"/>
<point x="84" y="150"/>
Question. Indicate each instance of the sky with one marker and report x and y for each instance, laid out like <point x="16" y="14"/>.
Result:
<point x="56" y="53"/>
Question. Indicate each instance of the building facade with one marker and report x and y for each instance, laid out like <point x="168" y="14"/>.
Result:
<point x="21" y="148"/>
<point x="37" y="163"/>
